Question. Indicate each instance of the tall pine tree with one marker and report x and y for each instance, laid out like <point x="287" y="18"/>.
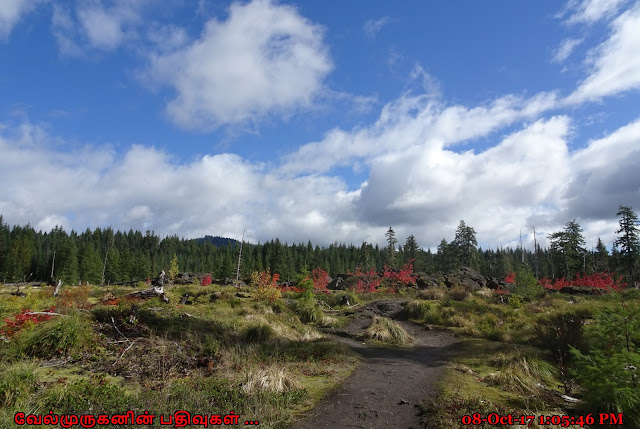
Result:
<point x="628" y="241"/>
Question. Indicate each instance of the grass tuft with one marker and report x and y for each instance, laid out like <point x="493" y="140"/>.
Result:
<point x="520" y="373"/>
<point x="386" y="330"/>
<point x="273" y="379"/>
<point x="259" y="333"/>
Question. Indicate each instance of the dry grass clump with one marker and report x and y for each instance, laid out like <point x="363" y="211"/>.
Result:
<point x="485" y="292"/>
<point x="328" y="322"/>
<point x="458" y="293"/>
<point x="386" y="330"/>
<point x="273" y="379"/>
<point x="432" y="293"/>
<point x="311" y="335"/>
<point x="520" y="373"/>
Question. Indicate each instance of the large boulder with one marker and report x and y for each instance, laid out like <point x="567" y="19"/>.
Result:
<point x="494" y="283"/>
<point x="466" y="277"/>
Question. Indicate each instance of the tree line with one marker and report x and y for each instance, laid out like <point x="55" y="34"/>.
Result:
<point x="104" y="256"/>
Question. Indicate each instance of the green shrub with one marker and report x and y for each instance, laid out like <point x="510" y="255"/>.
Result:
<point x="308" y="310"/>
<point x="64" y="335"/>
<point x="558" y="332"/>
<point x="527" y="285"/>
<point x="610" y="383"/>
<point x="609" y="373"/>
<point x="210" y="345"/>
<point x="515" y="301"/>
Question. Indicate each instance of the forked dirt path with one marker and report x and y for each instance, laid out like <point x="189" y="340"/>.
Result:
<point x="389" y="383"/>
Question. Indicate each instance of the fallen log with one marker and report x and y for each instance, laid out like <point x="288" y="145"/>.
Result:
<point x="19" y="284"/>
<point x="150" y="293"/>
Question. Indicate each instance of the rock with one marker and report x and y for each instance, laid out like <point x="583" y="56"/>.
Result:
<point x="451" y="280"/>
<point x="424" y="280"/>
<point x="475" y="279"/>
<point x="494" y="283"/>
<point x="345" y="300"/>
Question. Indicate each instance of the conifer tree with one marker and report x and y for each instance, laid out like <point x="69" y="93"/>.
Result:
<point x="601" y="257"/>
<point x="628" y="240"/>
<point x="391" y="246"/>
<point x="567" y="247"/>
<point x="465" y="245"/>
<point x="411" y="249"/>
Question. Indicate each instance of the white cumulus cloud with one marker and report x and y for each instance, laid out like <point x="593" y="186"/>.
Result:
<point x="264" y="59"/>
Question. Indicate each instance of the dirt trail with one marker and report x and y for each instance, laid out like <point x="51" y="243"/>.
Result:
<point x="389" y="383"/>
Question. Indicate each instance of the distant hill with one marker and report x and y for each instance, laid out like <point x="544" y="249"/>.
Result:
<point x="217" y="241"/>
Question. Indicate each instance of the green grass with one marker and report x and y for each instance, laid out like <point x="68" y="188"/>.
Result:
<point x="18" y="381"/>
<point x="64" y="335"/>
<point x="148" y="355"/>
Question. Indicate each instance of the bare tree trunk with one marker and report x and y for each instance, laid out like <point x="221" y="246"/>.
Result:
<point x="57" y="290"/>
<point x="104" y="267"/>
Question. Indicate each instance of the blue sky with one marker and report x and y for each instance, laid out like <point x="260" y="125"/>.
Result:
<point x="321" y="121"/>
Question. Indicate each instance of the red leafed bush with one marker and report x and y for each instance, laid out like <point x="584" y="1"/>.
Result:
<point x="511" y="278"/>
<point x="320" y="280"/>
<point x="367" y="282"/>
<point x="600" y="281"/>
<point x="604" y="281"/>
<point x="18" y="321"/>
<point x="400" y="278"/>
<point x="206" y="280"/>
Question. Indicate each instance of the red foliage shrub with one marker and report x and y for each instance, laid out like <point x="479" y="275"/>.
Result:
<point x="403" y="277"/>
<point x="367" y="282"/>
<point x="600" y="281"/>
<point x="13" y="325"/>
<point x="320" y="280"/>
<point x="511" y="278"/>
<point x="206" y="280"/>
